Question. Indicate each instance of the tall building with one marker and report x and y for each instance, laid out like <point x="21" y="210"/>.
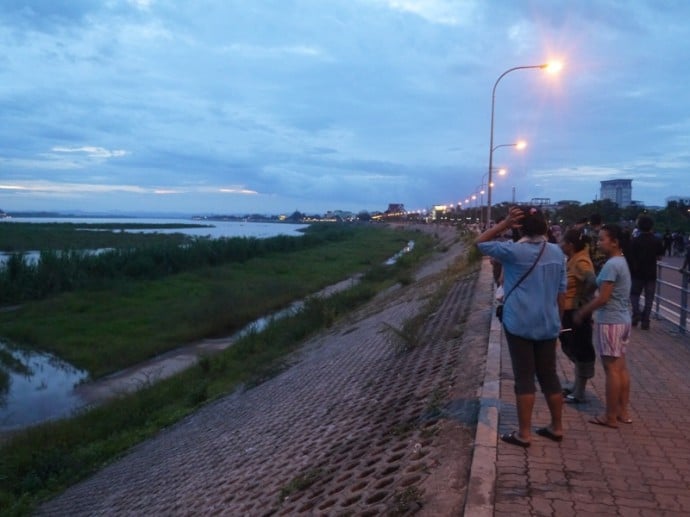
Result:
<point x="618" y="191"/>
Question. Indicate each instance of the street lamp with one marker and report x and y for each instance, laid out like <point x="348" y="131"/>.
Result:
<point x="474" y="198"/>
<point x="501" y="172"/>
<point x="519" y="145"/>
<point x="551" y="67"/>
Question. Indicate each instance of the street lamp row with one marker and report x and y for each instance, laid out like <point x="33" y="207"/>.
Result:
<point x="551" y="67"/>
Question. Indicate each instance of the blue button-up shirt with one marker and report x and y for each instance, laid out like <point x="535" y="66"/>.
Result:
<point x="531" y="310"/>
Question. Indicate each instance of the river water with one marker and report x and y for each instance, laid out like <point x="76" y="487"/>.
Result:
<point x="34" y="386"/>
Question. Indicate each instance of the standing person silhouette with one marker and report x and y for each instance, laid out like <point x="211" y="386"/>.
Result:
<point x="535" y="284"/>
<point x="577" y="344"/>
<point x="612" y="324"/>
<point x="644" y="252"/>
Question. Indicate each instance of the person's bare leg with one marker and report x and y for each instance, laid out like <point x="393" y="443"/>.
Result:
<point x="624" y="397"/>
<point x="555" y="403"/>
<point x="613" y="389"/>
<point x="525" y="406"/>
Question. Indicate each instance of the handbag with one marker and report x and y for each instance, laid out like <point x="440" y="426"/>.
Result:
<point x="499" y="307"/>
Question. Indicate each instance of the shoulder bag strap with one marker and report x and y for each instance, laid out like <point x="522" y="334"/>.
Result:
<point x="541" y="252"/>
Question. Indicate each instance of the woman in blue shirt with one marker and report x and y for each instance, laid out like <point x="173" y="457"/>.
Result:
<point x="612" y="323"/>
<point x="531" y="315"/>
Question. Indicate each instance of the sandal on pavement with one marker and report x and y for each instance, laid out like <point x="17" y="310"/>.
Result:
<point x="548" y="433"/>
<point x="598" y="421"/>
<point x="624" y="420"/>
<point x="512" y="439"/>
<point x="572" y="399"/>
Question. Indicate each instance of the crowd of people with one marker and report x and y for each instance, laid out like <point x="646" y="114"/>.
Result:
<point x="582" y="288"/>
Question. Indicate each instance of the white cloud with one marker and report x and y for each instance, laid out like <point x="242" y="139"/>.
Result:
<point x="36" y="186"/>
<point x="91" y="151"/>
<point x="259" y="51"/>
<point x="579" y="173"/>
<point x="237" y="191"/>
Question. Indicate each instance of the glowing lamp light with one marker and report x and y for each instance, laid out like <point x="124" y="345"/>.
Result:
<point x="520" y="145"/>
<point x="553" y="67"/>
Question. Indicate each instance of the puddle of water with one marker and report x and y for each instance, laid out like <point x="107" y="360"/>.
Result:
<point x="35" y="387"/>
<point x="406" y="249"/>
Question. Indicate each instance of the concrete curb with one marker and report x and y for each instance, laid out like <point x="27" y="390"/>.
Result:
<point x="482" y="482"/>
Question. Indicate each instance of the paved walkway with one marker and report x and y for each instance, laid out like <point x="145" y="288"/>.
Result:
<point x="639" y="469"/>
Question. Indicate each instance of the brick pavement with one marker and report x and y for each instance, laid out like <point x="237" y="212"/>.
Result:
<point x="639" y="469"/>
<point x="352" y="428"/>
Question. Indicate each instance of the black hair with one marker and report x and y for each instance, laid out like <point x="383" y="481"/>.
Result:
<point x="617" y="233"/>
<point x="645" y="223"/>
<point x="595" y="219"/>
<point x="577" y="238"/>
<point x="534" y="223"/>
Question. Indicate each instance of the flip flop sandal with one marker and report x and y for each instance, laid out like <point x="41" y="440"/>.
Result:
<point x="547" y="433"/>
<point x="624" y="420"/>
<point x="514" y="440"/>
<point x="571" y="399"/>
<point x="598" y="421"/>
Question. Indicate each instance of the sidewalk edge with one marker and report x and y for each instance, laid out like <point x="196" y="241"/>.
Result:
<point x="482" y="482"/>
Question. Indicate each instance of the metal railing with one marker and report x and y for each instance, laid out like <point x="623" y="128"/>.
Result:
<point x="671" y="298"/>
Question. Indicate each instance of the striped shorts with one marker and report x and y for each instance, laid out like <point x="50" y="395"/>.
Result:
<point x="611" y="339"/>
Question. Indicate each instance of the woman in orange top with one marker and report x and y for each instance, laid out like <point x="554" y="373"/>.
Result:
<point x="577" y="343"/>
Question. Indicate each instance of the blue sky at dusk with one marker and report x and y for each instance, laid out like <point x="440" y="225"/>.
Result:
<point x="268" y="106"/>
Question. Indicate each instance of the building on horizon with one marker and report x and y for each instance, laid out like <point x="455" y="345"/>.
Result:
<point x="618" y="191"/>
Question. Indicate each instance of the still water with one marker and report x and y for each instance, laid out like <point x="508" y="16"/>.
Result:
<point x="211" y="229"/>
<point x="34" y="386"/>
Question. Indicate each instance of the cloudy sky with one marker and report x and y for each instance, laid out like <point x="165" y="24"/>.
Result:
<point x="269" y="106"/>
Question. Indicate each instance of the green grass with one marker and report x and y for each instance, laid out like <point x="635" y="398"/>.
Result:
<point x="42" y="461"/>
<point x="103" y="331"/>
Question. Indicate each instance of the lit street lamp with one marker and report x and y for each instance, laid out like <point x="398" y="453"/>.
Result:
<point x="555" y="67"/>
<point x="490" y="185"/>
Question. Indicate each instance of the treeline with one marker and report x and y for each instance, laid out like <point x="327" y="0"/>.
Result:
<point x="674" y="217"/>
<point x="59" y="271"/>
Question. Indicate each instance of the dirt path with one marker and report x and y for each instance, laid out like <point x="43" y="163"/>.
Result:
<point x="353" y="427"/>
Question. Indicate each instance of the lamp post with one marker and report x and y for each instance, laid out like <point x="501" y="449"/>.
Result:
<point x="474" y="198"/>
<point x="489" y="186"/>
<point x="555" y="67"/>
